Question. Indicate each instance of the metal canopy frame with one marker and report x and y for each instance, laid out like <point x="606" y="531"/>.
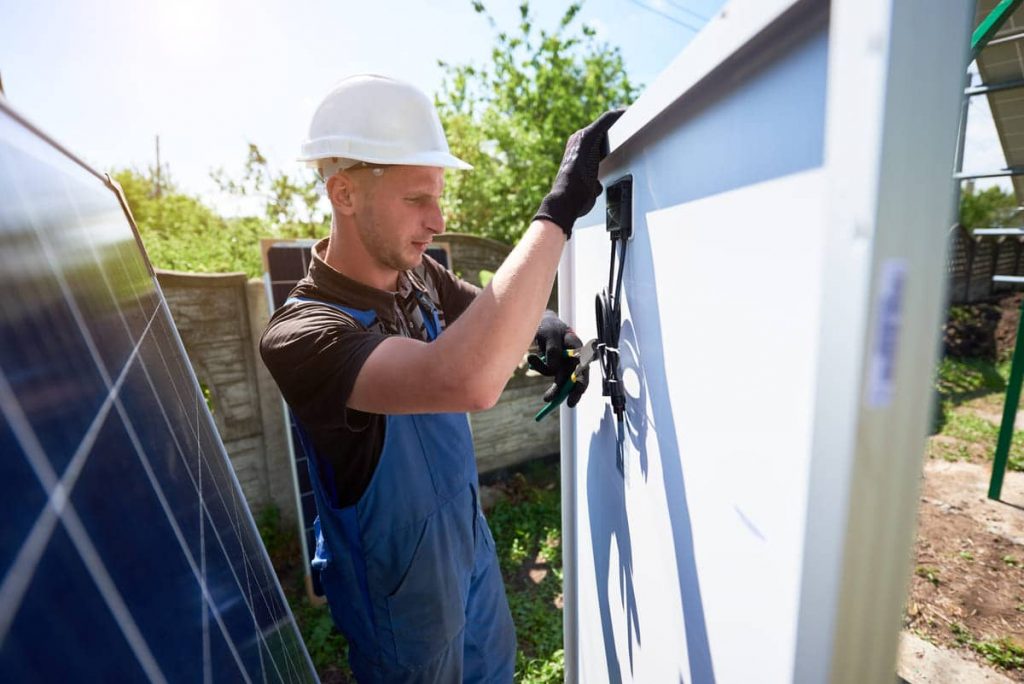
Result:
<point x="992" y="23"/>
<point x="982" y="38"/>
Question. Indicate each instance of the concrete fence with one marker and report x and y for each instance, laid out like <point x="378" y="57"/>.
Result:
<point x="220" y="318"/>
<point x="973" y="260"/>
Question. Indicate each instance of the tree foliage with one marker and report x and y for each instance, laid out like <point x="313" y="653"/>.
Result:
<point x="987" y="208"/>
<point x="510" y="119"/>
<point x="181" y="233"/>
<point x="291" y="206"/>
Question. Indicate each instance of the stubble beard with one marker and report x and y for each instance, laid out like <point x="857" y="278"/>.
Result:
<point x="383" y="252"/>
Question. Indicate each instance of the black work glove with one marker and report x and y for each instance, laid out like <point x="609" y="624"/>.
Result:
<point x="576" y="186"/>
<point x="553" y="338"/>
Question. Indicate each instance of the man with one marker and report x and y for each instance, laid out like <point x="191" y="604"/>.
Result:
<point x="380" y="394"/>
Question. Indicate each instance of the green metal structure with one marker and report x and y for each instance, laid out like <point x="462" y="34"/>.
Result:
<point x="992" y="23"/>
<point x="979" y="39"/>
<point x="995" y="485"/>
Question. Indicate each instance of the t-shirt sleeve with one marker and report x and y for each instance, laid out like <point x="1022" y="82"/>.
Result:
<point x="315" y="355"/>
<point x="455" y="293"/>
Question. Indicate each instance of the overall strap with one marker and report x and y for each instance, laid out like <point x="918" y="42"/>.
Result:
<point x="365" y="318"/>
<point x="431" y="318"/>
<point x="426" y="294"/>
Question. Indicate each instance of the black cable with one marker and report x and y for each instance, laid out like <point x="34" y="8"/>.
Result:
<point x="608" y="307"/>
<point x="608" y="304"/>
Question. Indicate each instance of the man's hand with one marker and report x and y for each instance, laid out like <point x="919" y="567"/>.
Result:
<point x="576" y="186"/>
<point x="553" y="338"/>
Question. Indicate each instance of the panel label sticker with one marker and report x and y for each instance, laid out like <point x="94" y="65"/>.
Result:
<point x="889" y="321"/>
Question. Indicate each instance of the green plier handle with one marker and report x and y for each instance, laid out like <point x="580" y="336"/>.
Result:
<point x="585" y="355"/>
<point x="559" y="398"/>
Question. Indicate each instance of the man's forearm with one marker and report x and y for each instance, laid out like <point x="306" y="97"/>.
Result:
<point x="491" y="336"/>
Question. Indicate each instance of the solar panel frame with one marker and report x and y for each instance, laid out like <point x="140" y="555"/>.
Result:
<point x="113" y="465"/>
<point x="285" y="262"/>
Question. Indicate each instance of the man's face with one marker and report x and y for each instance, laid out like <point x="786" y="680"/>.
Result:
<point x="400" y="213"/>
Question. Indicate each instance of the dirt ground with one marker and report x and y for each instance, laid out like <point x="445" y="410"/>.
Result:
<point x="967" y="587"/>
<point x="1006" y="330"/>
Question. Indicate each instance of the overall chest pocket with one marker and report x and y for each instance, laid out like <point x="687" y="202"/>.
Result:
<point x="447" y="447"/>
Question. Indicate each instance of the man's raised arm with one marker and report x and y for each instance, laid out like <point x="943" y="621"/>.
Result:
<point x="467" y="367"/>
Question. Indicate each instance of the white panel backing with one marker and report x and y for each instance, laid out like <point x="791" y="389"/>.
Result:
<point x="703" y="470"/>
<point x="782" y="292"/>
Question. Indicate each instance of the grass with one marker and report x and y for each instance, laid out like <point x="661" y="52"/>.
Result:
<point x="1002" y="652"/>
<point x="961" y="379"/>
<point x="327" y="647"/>
<point x="929" y="573"/>
<point x="970" y="428"/>
<point x="958" y="382"/>
<point x="527" y="534"/>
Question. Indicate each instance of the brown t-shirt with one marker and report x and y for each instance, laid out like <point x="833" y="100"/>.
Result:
<point x="315" y="353"/>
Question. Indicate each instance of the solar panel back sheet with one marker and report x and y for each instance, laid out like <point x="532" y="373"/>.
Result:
<point x="751" y="518"/>
<point x="128" y="552"/>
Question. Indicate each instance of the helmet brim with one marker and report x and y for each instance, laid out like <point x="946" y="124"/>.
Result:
<point x="434" y="158"/>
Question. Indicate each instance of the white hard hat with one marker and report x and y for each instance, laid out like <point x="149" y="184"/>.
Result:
<point x="379" y="120"/>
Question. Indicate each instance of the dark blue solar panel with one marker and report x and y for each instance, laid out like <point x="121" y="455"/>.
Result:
<point x="127" y="552"/>
<point x="287" y="262"/>
<point x="23" y="496"/>
<point x="66" y="631"/>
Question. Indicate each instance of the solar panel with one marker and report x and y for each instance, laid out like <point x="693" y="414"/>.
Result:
<point x="286" y="263"/>
<point x="127" y="550"/>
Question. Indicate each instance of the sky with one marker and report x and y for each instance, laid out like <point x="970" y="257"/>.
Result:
<point x="210" y="76"/>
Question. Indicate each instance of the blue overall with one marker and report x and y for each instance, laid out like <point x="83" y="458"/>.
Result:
<point x="410" y="571"/>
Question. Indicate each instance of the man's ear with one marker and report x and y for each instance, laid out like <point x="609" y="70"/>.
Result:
<point x="341" y="190"/>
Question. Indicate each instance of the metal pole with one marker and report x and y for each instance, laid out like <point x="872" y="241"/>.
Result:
<point x="995" y="486"/>
<point x="958" y="162"/>
<point x="986" y="88"/>
<point x="961" y="136"/>
<point x="1007" y="172"/>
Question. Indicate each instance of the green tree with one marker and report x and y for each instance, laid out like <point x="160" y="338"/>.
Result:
<point x="181" y="233"/>
<point x="987" y="208"/>
<point x="291" y="206"/>
<point x="510" y="119"/>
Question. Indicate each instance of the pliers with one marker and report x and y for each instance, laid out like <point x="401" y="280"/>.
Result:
<point x="585" y="356"/>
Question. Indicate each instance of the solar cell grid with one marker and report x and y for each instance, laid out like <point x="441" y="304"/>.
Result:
<point x="128" y="548"/>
